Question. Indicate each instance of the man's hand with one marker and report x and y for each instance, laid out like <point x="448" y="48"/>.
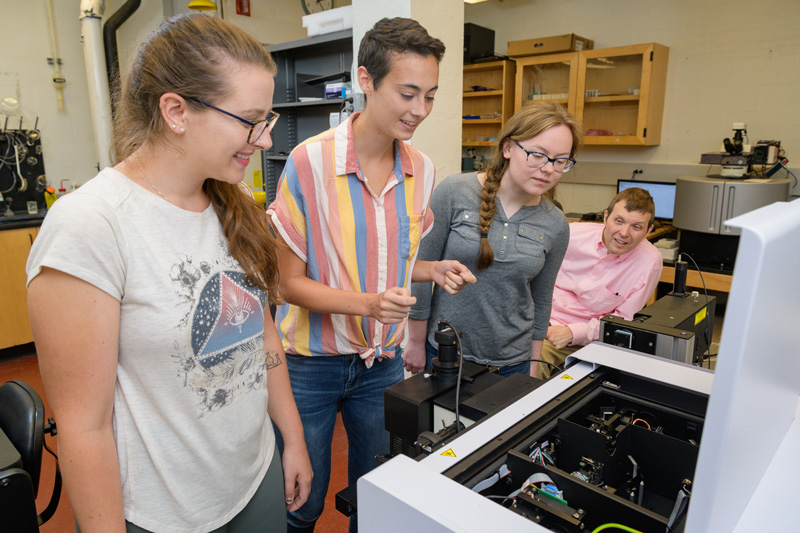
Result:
<point x="559" y="336"/>
<point x="392" y="305"/>
<point x="452" y="276"/>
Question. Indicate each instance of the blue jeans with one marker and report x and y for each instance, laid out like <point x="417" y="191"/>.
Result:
<point x="524" y="367"/>
<point x="320" y="385"/>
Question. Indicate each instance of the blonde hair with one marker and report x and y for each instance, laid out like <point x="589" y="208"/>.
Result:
<point x="191" y="55"/>
<point x="525" y="124"/>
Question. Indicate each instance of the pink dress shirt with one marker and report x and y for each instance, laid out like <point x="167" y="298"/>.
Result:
<point x="593" y="283"/>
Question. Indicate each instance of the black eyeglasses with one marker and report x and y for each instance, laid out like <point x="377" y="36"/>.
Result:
<point x="538" y="160"/>
<point x="257" y="128"/>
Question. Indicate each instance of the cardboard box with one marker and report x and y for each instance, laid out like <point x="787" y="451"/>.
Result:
<point x="329" y="21"/>
<point x="549" y="45"/>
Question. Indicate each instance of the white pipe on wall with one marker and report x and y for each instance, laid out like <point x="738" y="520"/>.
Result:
<point x="99" y="97"/>
<point x="58" y="77"/>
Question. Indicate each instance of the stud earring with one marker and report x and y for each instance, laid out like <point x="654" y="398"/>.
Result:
<point x="174" y="126"/>
<point x="181" y="130"/>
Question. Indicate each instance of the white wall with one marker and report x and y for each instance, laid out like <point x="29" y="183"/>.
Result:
<point x="730" y="61"/>
<point x="67" y="137"/>
<point x="440" y="135"/>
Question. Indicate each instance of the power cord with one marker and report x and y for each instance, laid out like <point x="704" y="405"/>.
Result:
<point x="460" y="368"/>
<point x="792" y="175"/>
<point x="555" y="366"/>
<point x="707" y="332"/>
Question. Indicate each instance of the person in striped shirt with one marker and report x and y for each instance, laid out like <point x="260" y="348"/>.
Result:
<point x="351" y="208"/>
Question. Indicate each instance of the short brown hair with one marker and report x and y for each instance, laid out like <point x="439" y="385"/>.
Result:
<point x="636" y="199"/>
<point x="395" y="36"/>
<point x="525" y="124"/>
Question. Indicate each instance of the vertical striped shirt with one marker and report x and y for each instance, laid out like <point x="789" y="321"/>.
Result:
<point x="350" y="237"/>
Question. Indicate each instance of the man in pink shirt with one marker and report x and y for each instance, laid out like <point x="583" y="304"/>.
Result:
<point x="609" y="269"/>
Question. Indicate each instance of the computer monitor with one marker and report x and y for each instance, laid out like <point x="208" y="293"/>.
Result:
<point x="663" y="195"/>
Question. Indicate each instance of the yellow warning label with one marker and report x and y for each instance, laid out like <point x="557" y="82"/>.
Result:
<point x="567" y="376"/>
<point x="700" y="315"/>
<point x="449" y="452"/>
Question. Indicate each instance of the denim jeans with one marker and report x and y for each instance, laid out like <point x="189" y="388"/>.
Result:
<point x="524" y="367"/>
<point x="320" y="385"/>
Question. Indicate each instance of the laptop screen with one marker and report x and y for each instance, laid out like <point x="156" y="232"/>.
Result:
<point x="663" y="195"/>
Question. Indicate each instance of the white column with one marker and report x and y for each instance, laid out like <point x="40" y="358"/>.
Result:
<point x="439" y="137"/>
<point x="91" y="15"/>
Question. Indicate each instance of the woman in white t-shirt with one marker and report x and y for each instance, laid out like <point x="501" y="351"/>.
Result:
<point x="148" y="294"/>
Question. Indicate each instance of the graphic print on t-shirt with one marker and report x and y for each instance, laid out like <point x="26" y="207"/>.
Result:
<point x="226" y="353"/>
<point x="226" y="315"/>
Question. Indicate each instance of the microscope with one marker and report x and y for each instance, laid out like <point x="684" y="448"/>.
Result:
<point x="737" y="145"/>
<point x="737" y="158"/>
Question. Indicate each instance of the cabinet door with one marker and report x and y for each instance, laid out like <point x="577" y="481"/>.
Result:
<point x="698" y="204"/>
<point x="488" y="101"/>
<point x="15" y="244"/>
<point x="621" y="94"/>
<point x="550" y="78"/>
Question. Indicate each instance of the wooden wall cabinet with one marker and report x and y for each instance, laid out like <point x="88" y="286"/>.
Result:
<point x="621" y="94"/>
<point x="15" y="245"/>
<point x="617" y="94"/>
<point x="496" y="104"/>
<point x="549" y="78"/>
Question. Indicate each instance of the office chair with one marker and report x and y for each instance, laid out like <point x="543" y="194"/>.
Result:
<point x="22" y="430"/>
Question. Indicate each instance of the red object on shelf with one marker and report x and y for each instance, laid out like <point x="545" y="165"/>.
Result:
<point x="243" y="7"/>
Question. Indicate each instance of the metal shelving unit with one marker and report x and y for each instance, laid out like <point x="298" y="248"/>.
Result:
<point x="303" y="67"/>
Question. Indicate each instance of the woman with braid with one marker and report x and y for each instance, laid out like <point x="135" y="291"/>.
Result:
<point x="503" y="227"/>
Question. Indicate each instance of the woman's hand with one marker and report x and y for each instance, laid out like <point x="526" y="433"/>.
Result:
<point x="297" y="475"/>
<point x="452" y="276"/>
<point x="414" y="354"/>
<point x="392" y="305"/>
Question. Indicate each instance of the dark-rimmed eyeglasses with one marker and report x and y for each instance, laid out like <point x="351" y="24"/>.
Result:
<point x="538" y="160"/>
<point x="257" y="128"/>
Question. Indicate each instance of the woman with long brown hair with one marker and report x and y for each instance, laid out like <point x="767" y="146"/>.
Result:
<point x="503" y="227"/>
<point x="148" y="292"/>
